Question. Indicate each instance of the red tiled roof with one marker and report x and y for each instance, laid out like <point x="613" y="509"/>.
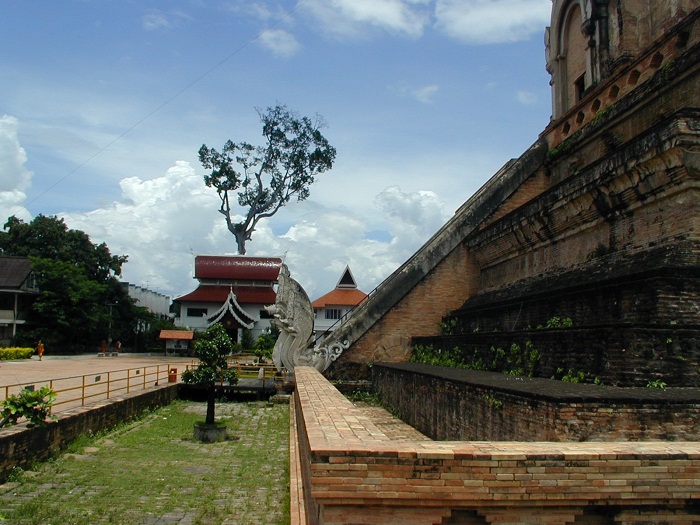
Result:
<point x="237" y="267"/>
<point x="180" y="335"/>
<point x="340" y="297"/>
<point x="218" y="294"/>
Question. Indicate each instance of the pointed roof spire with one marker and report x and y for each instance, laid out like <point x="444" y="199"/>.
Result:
<point x="346" y="280"/>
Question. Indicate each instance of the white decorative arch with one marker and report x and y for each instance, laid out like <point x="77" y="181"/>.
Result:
<point x="231" y="306"/>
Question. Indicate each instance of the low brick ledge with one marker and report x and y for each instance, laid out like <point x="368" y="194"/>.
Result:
<point x="347" y="461"/>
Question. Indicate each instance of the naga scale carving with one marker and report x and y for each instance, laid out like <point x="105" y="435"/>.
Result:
<point x="293" y="315"/>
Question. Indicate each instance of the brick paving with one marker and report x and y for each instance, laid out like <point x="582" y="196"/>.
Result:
<point x="51" y="367"/>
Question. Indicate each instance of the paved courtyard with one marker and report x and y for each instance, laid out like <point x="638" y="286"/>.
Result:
<point x="53" y="367"/>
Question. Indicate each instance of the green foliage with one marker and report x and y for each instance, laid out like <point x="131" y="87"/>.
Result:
<point x="15" y="353"/>
<point x="149" y="470"/>
<point x="515" y="361"/>
<point x="575" y="376"/>
<point x="33" y="405"/>
<point x="267" y="177"/>
<point x="437" y="356"/>
<point x="49" y="238"/>
<point x="557" y="322"/>
<point x="492" y="401"/>
<point x="266" y="342"/>
<point x="212" y="348"/>
<point x="448" y="325"/>
<point x="77" y="284"/>
<point x="657" y="383"/>
<point x="247" y="340"/>
<point x="363" y="396"/>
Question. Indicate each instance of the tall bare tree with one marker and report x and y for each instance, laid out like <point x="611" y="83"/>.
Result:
<point x="265" y="178"/>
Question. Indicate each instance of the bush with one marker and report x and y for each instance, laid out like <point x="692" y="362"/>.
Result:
<point x="33" y="405"/>
<point x="15" y="353"/>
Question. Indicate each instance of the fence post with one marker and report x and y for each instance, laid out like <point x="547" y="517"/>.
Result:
<point x="109" y="382"/>
<point x="83" y="393"/>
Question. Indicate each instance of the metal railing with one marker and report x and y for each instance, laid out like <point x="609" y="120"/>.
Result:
<point x="260" y="371"/>
<point x="81" y="390"/>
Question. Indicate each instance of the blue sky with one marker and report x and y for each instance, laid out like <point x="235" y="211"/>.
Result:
<point x="104" y="104"/>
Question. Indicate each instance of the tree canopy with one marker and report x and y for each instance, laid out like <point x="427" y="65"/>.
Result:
<point x="49" y="238"/>
<point x="81" y="302"/>
<point x="266" y="177"/>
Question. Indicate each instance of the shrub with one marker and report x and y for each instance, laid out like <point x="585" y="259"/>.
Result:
<point x="34" y="405"/>
<point x="15" y="353"/>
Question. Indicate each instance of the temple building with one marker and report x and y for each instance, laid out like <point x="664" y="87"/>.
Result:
<point x="233" y="291"/>
<point x="596" y="223"/>
<point x="18" y="291"/>
<point x="331" y="308"/>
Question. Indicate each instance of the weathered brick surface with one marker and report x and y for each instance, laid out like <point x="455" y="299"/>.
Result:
<point x="449" y="404"/>
<point x="353" y="473"/>
<point x="621" y="182"/>
<point x="414" y="313"/>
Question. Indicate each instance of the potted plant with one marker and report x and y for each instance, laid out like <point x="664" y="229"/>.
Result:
<point x="212" y="348"/>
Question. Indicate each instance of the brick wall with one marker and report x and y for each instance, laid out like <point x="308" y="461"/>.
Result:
<point x="354" y="473"/>
<point x="419" y="312"/>
<point x="449" y="404"/>
<point x="21" y="446"/>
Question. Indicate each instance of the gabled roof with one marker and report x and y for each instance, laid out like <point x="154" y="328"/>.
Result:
<point x="340" y="297"/>
<point x="14" y="271"/>
<point x="346" y="280"/>
<point x="345" y="293"/>
<point x="237" y="267"/>
<point x="176" y="335"/>
<point x="233" y="307"/>
<point x="219" y="294"/>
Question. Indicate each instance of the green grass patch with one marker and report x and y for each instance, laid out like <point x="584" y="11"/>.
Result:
<point x="154" y="469"/>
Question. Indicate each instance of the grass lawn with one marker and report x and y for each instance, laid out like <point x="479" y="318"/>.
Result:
<point x="152" y="471"/>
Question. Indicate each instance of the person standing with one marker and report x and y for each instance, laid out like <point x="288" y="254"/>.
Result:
<point x="40" y="350"/>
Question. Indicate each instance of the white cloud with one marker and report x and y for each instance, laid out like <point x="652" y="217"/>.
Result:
<point x="280" y="42"/>
<point x="350" y="18"/>
<point x="526" y="97"/>
<point x="425" y="94"/>
<point x="163" y="222"/>
<point x="159" y="224"/>
<point x="14" y="176"/>
<point x="492" y="21"/>
<point x="411" y="215"/>
<point x="156" y="19"/>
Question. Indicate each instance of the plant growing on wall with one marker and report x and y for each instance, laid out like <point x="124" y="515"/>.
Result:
<point x="212" y="349"/>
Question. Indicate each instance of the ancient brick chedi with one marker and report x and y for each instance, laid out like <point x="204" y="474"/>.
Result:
<point x="597" y="221"/>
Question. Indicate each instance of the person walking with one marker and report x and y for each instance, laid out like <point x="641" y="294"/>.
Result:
<point x="40" y="350"/>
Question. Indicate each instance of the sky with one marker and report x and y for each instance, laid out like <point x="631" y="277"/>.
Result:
<point x="104" y="105"/>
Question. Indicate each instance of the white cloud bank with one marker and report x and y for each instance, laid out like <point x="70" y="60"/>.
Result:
<point x="163" y="222"/>
<point x="491" y="21"/>
<point x="469" y="21"/>
<point x="351" y="18"/>
<point x="14" y="176"/>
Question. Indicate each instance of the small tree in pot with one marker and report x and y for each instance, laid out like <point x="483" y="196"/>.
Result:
<point x="212" y="349"/>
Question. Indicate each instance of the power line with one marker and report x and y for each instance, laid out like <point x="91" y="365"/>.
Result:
<point x="169" y="100"/>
